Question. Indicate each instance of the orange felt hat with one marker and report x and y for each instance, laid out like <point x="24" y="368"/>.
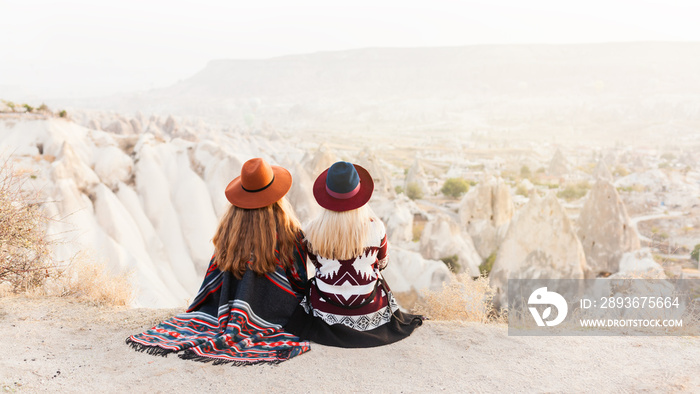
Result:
<point x="259" y="185"/>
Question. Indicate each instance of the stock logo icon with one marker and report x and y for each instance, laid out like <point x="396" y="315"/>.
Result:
<point x="543" y="297"/>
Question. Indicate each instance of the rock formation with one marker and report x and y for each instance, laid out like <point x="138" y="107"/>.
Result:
<point x="541" y="243"/>
<point x="154" y="189"/>
<point x="442" y="237"/>
<point x="558" y="166"/>
<point x="639" y="264"/>
<point x="136" y="126"/>
<point x="317" y="162"/>
<point x="218" y="167"/>
<point x="94" y="125"/>
<point x="409" y="271"/>
<point x="112" y="166"/>
<point x="119" y="126"/>
<point x="120" y="228"/>
<point x="380" y="176"/>
<point x="602" y="171"/>
<point x="70" y="166"/>
<point x="170" y="125"/>
<point x="397" y="215"/>
<point x="416" y="176"/>
<point x="610" y="159"/>
<point x="143" y="203"/>
<point x="155" y="247"/>
<point x="604" y="228"/>
<point x="485" y="212"/>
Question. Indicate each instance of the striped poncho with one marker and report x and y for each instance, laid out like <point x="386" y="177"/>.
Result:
<point x="237" y="321"/>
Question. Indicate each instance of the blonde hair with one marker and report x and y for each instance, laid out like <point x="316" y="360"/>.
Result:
<point x="249" y="238"/>
<point x="340" y="235"/>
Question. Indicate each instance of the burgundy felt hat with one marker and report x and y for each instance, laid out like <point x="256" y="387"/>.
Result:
<point x="259" y="185"/>
<point x="343" y="187"/>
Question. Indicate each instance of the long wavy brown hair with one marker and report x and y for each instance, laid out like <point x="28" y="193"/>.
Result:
<point x="248" y="238"/>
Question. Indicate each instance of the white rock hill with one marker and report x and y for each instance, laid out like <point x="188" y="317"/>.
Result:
<point x="442" y="237"/>
<point x="409" y="271"/>
<point x="397" y="215"/>
<point x="541" y="243"/>
<point x="136" y="202"/>
<point x="149" y="202"/>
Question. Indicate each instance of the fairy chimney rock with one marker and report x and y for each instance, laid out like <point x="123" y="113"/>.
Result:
<point x="610" y="159"/>
<point x="540" y="243"/>
<point x="380" y="176"/>
<point x="408" y="270"/>
<point x="442" y="237"/>
<point x="170" y="125"/>
<point x="136" y="126"/>
<point x="416" y="175"/>
<point x="485" y="212"/>
<point x="558" y="166"/>
<point x="602" y="172"/>
<point x="70" y="166"/>
<point x="323" y="158"/>
<point x="397" y="215"/>
<point x="604" y="228"/>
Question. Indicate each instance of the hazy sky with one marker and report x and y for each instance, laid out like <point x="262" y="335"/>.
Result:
<point x="80" y="48"/>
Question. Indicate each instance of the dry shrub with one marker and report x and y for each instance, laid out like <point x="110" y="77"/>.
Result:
<point x="26" y="264"/>
<point x="88" y="280"/>
<point x="462" y="298"/>
<point x="24" y="250"/>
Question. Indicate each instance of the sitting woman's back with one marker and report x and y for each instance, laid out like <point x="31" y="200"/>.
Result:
<point x="346" y="283"/>
<point x="261" y="247"/>
<point x="253" y="284"/>
<point x="348" y="303"/>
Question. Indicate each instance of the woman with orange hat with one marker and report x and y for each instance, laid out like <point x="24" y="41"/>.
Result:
<point x="348" y="304"/>
<point x="252" y="285"/>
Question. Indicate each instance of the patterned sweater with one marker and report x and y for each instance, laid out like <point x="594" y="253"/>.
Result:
<point x="351" y="283"/>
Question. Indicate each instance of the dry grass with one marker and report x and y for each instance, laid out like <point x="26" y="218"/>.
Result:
<point x="463" y="298"/>
<point x="24" y="250"/>
<point x="26" y="264"/>
<point x="86" y="279"/>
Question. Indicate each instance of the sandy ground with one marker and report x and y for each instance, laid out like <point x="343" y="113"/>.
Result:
<point x="59" y="345"/>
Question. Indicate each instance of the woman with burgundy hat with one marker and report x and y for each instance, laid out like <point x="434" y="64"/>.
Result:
<point x="348" y="304"/>
<point x="253" y="284"/>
